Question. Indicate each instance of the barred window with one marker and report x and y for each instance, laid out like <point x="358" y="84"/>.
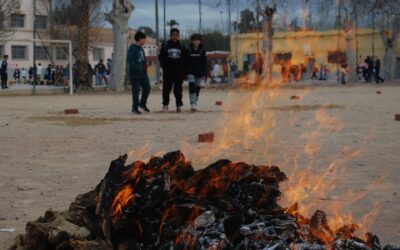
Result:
<point x="41" y="53"/>
<point x="61" y="53"/>
<point x="18" y="52"/>
<point x="17" y="21"/>
<point x="41" y="22"/>
<point x="98" y="54"/>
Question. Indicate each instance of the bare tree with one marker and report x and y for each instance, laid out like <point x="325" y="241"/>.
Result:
<point x="66" y="20"/>
<point x="268" y="42"/>
<point x="119" y="17"/>
<point x="388" y="23"/>
<point x="7" y="8"/>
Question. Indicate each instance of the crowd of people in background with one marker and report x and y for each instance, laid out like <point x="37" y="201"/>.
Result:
<point x="53" y="74"/>
<point x="369" y="70"/>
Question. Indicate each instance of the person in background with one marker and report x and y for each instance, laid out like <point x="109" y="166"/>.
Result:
<point x="17" y="75"/>
<point x="196" y="69"/>
<point x="377" y="67"/>
<point x="217" y="72"/>
<point x="39" y="74"/>
<point x="314" y="73"/>
<point x="101" y="73"/>
<point x="172" y="60"/>
<point x="3" y="72"/>
<point x="136" y="60"/>
<point x="47" y="75"/>
<point x="343" y="73"/>
<point x="30" y="72"/>
<point x="233" y="70"/>
<point x="109" y="65"/>
<point x="23" y="75"/>
<point x="224" y="71"/>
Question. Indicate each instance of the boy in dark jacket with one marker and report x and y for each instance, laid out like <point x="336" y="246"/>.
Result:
<point x="172" y="59"/>
<point x="196" y="69"/>
<point x="138" y="73"/>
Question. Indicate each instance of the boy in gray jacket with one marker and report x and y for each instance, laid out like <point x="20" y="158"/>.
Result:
<point x="138" y="73"/>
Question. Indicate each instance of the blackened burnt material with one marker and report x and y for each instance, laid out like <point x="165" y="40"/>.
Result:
<point x="165" y="204"/>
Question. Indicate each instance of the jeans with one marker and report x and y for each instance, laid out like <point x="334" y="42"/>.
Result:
<point x="195" y="84"/>
<point x="100" y="77"/>
<point x="138" y="83"/>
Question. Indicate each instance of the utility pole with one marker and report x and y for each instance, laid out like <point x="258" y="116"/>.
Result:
<point x="34" y="48"/>
<point x="373" y="32"/>
<point x="165" y="18"/>
<point x="229" y="16"/>
<point x="158" y="44"/>
<point x="200" y="18"/>
<point x="338" y="39"/>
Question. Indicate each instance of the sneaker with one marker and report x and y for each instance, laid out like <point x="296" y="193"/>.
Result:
<point x="193" y="108"/>
<point x="136" y="111"/>
<point x="165" y="108"/>
<point x="178" y="109"/>
<point x="144" y="107"/>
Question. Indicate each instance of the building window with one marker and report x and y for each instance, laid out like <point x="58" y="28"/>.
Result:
<point x="98" y="54"/>
<point x="41" y="53"/>
<point x="338" y="57"/>
<point x="17" y="21"/>
<point x="1" y="51"/>
<point x="41" y="22"/>
<point x="61" y="53"/>
<point x="18" y="52"/>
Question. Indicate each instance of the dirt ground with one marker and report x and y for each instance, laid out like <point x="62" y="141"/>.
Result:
<point x="47" y="158"/>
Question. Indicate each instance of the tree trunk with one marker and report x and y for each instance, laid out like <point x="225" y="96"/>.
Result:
<point x="268" y="44"/>
<point x="83" y="43"/>
<point x="388" y="59"/>
<point x="350" y="49"/>
<point x="389" y="41"/>
<point x="118" y="17"/>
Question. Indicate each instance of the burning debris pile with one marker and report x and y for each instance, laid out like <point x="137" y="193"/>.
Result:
<point x="165" y="204"/>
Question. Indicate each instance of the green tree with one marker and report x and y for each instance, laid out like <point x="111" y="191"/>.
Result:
<point x="247" y="21"/>
<point x="172" y="23"/>
<point x="147" y="30"/>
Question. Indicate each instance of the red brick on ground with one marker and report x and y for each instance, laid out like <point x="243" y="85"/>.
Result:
<point x="207" y="137"/>
<point x="71" y="111"/>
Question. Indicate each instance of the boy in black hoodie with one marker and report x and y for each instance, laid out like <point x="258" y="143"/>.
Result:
<point x="172" y="58"/>
<point x="137" y="66"/>
<point x="196" y="69"/>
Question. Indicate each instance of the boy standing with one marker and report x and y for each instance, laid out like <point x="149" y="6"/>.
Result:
<point x="100" y="70"/>
<point x="197" y="69"/>
<point x="3" y="72"/>
<point x="172" y="58"/>
<point x="138" y="73"/>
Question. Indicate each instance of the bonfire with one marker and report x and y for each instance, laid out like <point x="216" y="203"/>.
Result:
<point x="165" y="204"/>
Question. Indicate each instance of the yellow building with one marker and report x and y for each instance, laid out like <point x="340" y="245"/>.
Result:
<point x="308" y="48"/>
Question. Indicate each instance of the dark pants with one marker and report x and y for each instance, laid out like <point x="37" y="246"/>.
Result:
<point x="194" y="92"/>
<point x="378" y="78"/>
<point x="4" y="79"/>
<point x="143" y="83"/>
<point x="172" y="79"/>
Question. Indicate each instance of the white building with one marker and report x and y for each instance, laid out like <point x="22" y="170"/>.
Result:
<point x="20" y="49"/>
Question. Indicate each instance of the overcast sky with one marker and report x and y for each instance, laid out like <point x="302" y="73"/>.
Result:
<point x="185" y="12"/>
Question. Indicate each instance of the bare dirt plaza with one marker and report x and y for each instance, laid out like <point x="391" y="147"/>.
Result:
<point x="48" y="158"/>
